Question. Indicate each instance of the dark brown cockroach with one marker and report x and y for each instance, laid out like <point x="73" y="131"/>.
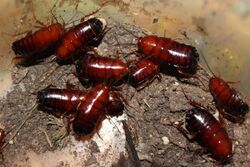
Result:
<point x="60" y="101"/>
<point x="145" y="71"/>
<point x="99" y="69"/>
<point x="79" y="38"/>
<point x="228" y="101"/>
<point x="202" y="126"/>
<point x="184" y="58"/>
<point x="92" y="111"/>
<point x="208" y="131"/>
<point x="42" y="43"/>
<point x="66" y="101"/>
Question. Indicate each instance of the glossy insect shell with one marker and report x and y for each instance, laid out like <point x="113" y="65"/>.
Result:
<point x="63" y="100"/>
<point x="78" y="37"/>
<point x="92" y="111"/>
<point x="115" y="106"/>
<point x="39" y="41"/>
<point x="227" y="98"/>
<point x="169" y="51"/>
<point x="210" y="133"/>
<point x="66" y="101"/>
<point x="101" y="68"/>
<point x="145" y="69"/>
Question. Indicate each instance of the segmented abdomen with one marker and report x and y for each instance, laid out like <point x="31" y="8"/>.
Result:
<point x="144" y="70"/>
<point x="60" y="99"/>
<point x="101" y="68"/>
<point x="210" y="133"/>
<point x="78" y="37"/>
<point x="227" y="98"/>
<point x="168" y="51"/>
<point x="91" y="111"/>
<point x="40" y="41"/>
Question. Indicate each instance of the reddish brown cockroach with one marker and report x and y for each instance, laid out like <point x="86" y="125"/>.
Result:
<point x="99" y="69"/>
<point x="66" y="101"/>
<point x="42" y="43"/>
<point x="92" y="111"/>
<point x="169" y="53"/>
<point x="145" y="71"/>
<point x="202" y="126"/>
<point x="228" y="100"/>
<point x="207" y="130"/>
<point x="79" y="37"/>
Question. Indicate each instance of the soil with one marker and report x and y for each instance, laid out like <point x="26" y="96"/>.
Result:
<point x="149" y="115"/>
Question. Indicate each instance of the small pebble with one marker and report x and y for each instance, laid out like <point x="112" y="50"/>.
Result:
<point x="144" y="157"/>
<point x="165" y="140"/>
<point x="11" y="142"/>
<point x="33" y="77"/>
<point x="160" y="151"/>
<point x="176" y="83"/>
<point x="22" y="87"/>
<point x="176" y="123"/>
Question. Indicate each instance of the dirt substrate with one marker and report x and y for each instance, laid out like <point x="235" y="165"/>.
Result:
<point x="151" y="111"/>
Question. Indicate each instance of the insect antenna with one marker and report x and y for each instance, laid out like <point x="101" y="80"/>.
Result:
<point x="112" y="122"/>
<point x="89" y="14"/>
<point x="206" y="63"/>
